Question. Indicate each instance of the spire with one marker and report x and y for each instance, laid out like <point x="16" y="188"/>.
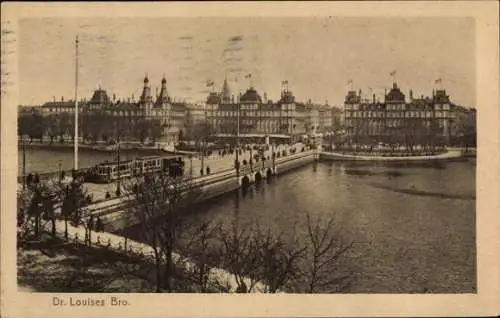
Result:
<point x="163" y="97"/>
<point x="146" y="97"/>
<point x="225" y="94"/>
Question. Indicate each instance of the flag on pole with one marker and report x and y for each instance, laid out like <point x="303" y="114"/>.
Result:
<point x="438" y="81"/>
<point x="349" y="82"/>
<point x="393" y="73"/>
<point x="284" y="82"/>
<point x="210" y="83"/>
<point x="249" y="75"/>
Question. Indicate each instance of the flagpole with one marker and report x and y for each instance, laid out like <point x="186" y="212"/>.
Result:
<point x="76" y="106"/>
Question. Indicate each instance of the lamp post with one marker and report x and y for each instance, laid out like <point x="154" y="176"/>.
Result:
<point x="191" y="166"/>
<point x="60" y="175"/>
<point x="76" y="106"/>
<point x="23" y="145"/>
<point x="118" y="186"/>
<point x="237" y="163"/>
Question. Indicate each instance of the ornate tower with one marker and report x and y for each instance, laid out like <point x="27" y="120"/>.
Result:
<point x="163" y="98"/>
<point x="146" y="98"/>
<point x="226" y="93"/>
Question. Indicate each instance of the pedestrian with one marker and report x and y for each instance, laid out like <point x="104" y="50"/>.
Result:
<point x="201" y="171"/>
<point x="99" y="225"/>
<point x="91" y="223"/>
<point x="208" y="170"/>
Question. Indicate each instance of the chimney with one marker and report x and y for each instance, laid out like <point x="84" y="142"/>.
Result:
<point x="53" y="98"/>
<point x="411" y="95"/>
<point x="62" y="98"/>
<point x="374" y="98"/>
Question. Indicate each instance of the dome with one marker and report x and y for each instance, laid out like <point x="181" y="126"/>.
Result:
<point x="251" y="96"/>
<point x="213" y="98"/>
<point x="146" y="79"/>
<point x="395" y="94"/>
<point x="100" y="97"/>
<point x="163" y="80"/>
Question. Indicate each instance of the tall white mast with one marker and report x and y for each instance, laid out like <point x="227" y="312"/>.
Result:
<point x="76" y="105"/>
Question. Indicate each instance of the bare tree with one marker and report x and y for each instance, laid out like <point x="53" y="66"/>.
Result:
<point x="240" y="257"/>
<point x="147" y="205"/>
<point x="201" y="250"/>
<point x="325" y="251"/>
<point x="156" y="202"/>
<point x="280" y="261"/>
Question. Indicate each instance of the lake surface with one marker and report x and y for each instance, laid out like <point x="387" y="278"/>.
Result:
<point x="416" y="225"/>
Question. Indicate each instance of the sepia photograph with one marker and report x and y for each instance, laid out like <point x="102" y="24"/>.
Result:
<point x="242" y="154"/>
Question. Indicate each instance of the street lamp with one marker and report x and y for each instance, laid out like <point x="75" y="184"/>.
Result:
<point x="118" y="187"/>
<point x="23" y="145"/>
<point x="60" y="175"/>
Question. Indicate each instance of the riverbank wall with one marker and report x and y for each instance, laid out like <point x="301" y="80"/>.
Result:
<point x="119" y="219"/>
<point x="450" y="155"/>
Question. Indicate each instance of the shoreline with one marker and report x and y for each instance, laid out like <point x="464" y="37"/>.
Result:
<point x="99" y="148"/>
<point x="449" y="155"/>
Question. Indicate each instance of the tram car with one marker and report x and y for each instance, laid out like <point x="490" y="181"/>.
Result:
<point x="107" y="172"/>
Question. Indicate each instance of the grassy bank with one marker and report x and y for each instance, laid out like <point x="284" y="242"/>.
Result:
<point x="59" y="266"/>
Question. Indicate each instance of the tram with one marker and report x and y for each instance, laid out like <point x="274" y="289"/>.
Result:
<point x="107" y="172"/>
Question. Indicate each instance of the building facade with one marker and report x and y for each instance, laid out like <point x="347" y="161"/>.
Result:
<point x="420" y="120"/>
<point x="223" y="112"/>
<point x="250" y="114"/>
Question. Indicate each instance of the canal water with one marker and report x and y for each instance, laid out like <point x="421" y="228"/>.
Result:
<point x="415" y="224"/>
<point x="48" y="159"/>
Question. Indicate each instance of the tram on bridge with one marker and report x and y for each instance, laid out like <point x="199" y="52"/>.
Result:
<point x="107" y="172"/>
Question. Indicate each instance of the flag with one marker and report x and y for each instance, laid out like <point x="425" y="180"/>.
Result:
<point x="349" y="82"/>
<point x="393" y="73"/>
<point x="438" y="81"/>
<point x="249" y="75"/>
<point x="210" y="83"/>
<point x="284" y="82"/>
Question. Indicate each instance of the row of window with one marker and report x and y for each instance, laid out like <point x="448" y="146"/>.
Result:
<point x="407" y="114"/>
<point x="250" y="114"/>
<point x="389" y="123"/>
<point x="390" y="107"/>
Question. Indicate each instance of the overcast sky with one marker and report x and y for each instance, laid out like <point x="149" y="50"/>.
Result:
<point x="318" y="56"/>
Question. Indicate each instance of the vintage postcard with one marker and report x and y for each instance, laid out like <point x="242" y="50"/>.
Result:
<point x="250" y="159"/>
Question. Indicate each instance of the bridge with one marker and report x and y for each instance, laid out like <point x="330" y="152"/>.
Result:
<point x="217" y="183"/>
<point x="224" y="176"/>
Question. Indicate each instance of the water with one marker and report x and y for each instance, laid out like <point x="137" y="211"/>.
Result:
<point x="416" y="243"/>
<point x="47" y="160"/>
<point x="411" y="243"/>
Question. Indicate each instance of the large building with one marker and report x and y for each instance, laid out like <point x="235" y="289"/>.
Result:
<point x="257" y="116"/>
<point x="160" y="108"/>
<point x="252" y="115"/>
<point x="421" y="120"/>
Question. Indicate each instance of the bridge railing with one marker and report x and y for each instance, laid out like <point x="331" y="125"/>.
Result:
<point x="117" y="204"/>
